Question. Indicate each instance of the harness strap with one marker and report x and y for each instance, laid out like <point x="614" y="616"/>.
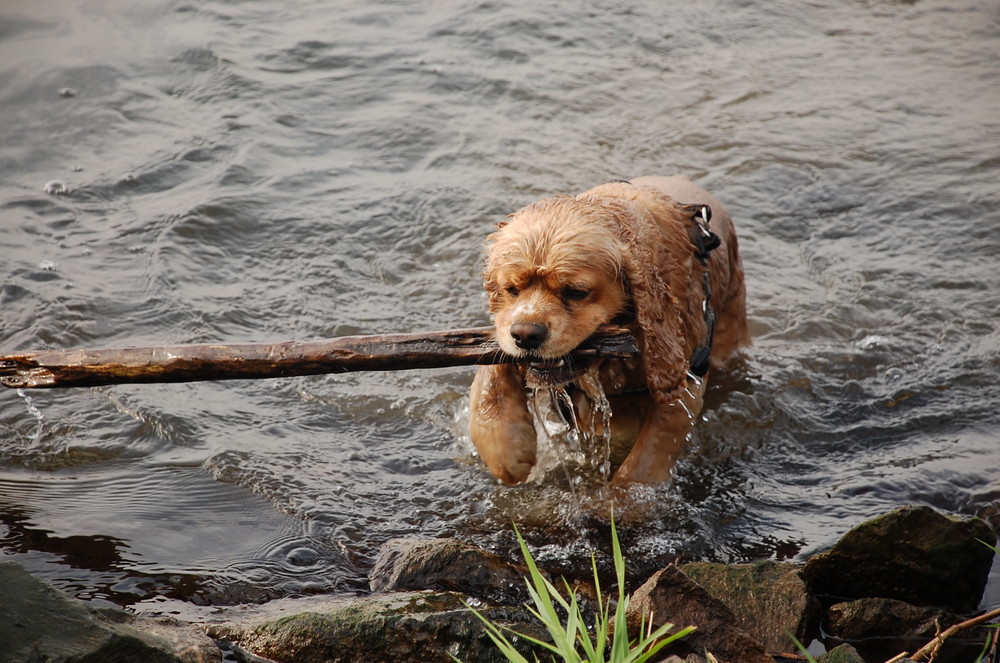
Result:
<point x="705" y="241"/>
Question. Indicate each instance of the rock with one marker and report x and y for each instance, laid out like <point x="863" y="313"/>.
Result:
<point x="881" y="628"/>
<point x="670" y="596"/>
<point x="844" y="653"/>
<point x="885" y="618"/>
<point x="448" y="565"/>
<point x="913" y="554"/>
<point x="404" y="627"/>
<point x="770" y="599"/>
<point x="41" y="623"/>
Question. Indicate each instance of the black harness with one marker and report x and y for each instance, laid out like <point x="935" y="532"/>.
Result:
<point x="704" y="241"/>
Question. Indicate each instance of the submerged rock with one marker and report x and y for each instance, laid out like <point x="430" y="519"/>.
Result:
<point x="447" y="565"/>
<point x="41" y="623"/>
<point x="670" y="596"/>
<point x="770" y="599"/>
<point x="913" y="554"/>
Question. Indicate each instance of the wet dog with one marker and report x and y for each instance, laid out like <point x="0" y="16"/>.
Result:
<point x="658" y="255"/>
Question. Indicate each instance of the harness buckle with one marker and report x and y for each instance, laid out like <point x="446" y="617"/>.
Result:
<point x="703" y="238"/>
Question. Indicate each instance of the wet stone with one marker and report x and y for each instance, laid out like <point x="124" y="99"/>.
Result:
<point x="41" y="623"/>
<point x="399" y="627"/>
<point x="881" y="628"/>
<point x="450" y="565"/>
<point x="670" y="596"/>
<point x="876" y="617"/>
<point x="844" y="653"/>
<point x="913" y="554"/>
<point x="770" y="599"/>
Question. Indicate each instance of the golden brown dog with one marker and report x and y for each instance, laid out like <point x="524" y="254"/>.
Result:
<point x="633" y="253"/>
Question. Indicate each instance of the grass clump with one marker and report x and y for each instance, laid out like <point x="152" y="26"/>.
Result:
<point x="572" y="641"/>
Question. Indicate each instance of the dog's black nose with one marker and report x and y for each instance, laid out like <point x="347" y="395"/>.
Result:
<point x="528" y="335"/>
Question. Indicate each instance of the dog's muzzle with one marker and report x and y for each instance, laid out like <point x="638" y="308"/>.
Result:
<point x="552" y="373"/>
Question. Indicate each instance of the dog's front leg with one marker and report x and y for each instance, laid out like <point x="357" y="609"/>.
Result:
<point x="500" y="424"/>
<point x="662" y="437"/>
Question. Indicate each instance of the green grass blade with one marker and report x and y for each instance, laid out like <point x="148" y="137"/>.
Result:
<point x="499" y="639"/>
<point x="571" y="636"/>
<point x="801" y="647"/>
<point x="541" y="589"/>
<point x="601" y="619"/>
<point x="650" y="645"/>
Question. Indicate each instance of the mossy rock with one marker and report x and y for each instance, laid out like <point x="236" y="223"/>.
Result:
<point x="770" y="599"/>
<point x="841" y="654"/>
<point x="424" y="627"/>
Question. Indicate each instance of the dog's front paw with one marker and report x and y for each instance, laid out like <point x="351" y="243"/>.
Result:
<point x="500" y="425"/>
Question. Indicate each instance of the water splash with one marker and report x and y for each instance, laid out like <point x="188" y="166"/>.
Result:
<point x="56" y="188"/>
<point x="36" y="413"/>
<point x="574" y="433"/>
<point x="600" y="408"/>
<point x="555" y="428"/>
<point x="557" y="436"/>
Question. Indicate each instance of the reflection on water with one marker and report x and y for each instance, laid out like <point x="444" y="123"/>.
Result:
<point x="217" y="171"/>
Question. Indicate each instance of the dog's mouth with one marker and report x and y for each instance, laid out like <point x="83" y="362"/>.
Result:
<point x="553" y="373"/>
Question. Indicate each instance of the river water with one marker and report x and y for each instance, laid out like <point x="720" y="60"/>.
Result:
<point x="189" y="171"/>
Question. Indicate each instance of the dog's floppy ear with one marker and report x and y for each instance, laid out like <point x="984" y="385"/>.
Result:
<point x="657" y="311"/>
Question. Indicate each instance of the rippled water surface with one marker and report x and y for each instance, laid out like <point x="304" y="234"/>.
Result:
<point x="227" y="171"/>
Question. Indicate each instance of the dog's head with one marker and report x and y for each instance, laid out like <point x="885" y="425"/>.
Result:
<point x="555" y="272"/>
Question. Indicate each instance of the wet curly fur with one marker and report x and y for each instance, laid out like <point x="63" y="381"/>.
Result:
<point x="621" y="252"/>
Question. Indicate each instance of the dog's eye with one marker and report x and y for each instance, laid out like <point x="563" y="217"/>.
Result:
<point x="574" y="294"/>
<point x="512" y="290"/>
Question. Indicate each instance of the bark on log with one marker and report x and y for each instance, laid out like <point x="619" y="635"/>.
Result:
<point x="193" y="363"/>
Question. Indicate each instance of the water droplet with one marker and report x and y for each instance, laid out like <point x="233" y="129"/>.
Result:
<point x="67" y="92"/>
<point x="894" y="374"/>
<point x="687" y="410"/>
<point x="56" y="188"/>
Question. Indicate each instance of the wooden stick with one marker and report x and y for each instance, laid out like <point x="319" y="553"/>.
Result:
<point x="191" y="363"/>
<point x="931" y="648"/>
